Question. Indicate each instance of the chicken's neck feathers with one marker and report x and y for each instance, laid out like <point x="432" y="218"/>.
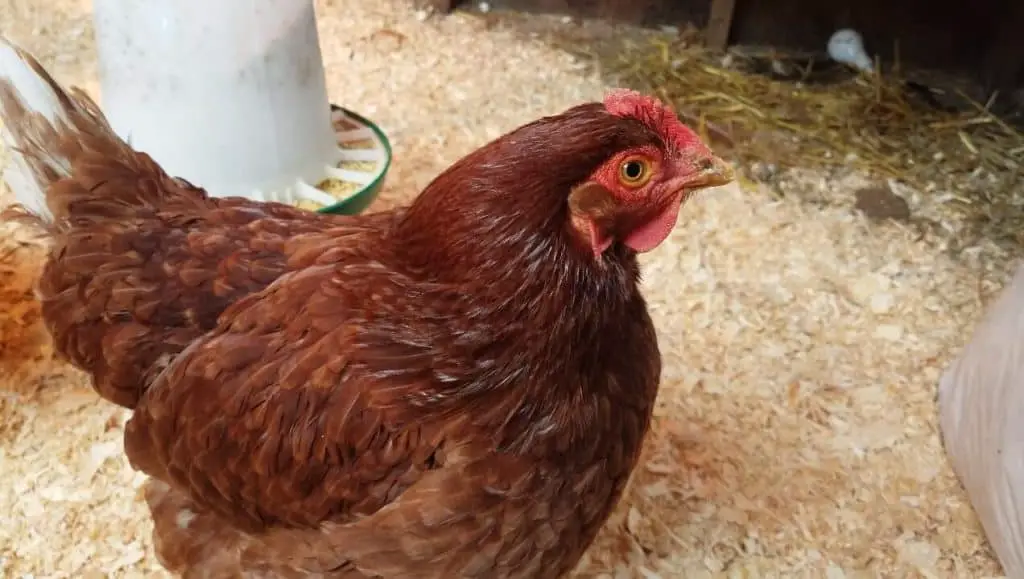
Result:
<point x="540" y="336"/>
<point x="531" y="330"/>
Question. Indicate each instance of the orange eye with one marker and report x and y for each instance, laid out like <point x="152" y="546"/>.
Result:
<point x="635" y="171"/>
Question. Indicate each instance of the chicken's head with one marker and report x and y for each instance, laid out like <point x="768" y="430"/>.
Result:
<point x="635" y="195"/>
<point x="599" y="176"/>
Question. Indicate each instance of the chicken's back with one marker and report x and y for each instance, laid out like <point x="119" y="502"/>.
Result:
<point x="121" y="297"/>
<point x="142" y="263"/>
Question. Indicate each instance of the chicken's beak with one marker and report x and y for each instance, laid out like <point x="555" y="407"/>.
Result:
<point x="713" y="172"/>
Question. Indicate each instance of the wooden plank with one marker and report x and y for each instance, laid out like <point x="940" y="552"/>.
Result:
<point x="716" y="35"/>
<point x="1004" y="58"/>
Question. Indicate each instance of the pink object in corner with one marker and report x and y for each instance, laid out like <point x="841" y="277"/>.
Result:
<point x="981" y="415"/>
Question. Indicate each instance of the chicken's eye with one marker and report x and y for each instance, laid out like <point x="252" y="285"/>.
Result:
<point x="635" y="171"/>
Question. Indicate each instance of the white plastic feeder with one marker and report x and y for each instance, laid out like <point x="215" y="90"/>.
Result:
<point x="229" y="95"/>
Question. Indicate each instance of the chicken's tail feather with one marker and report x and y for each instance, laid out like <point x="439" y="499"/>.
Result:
<point x="19" y="213"/>
<point x="69" y="163"/>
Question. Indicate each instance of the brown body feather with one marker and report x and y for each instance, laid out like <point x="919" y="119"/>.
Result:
<point x="453" y="390"/>
<point x="143" y="263"/>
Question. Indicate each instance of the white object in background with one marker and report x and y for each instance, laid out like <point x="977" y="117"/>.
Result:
<point x="981" y="415"/>
<point x="229" y="94"/>
<point x="847" y="46"/>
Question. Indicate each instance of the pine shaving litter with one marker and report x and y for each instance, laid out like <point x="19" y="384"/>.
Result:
<point x="795" y="433"/>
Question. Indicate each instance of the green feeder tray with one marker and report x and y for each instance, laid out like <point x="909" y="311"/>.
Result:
<point x="364" y="160"/>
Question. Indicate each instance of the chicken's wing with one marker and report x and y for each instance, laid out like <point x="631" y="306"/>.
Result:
<point x="280" y="422"/>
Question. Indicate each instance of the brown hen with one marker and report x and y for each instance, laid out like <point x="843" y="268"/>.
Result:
<point x="457" y="389"/>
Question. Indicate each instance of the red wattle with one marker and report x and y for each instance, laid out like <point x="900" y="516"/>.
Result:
<point x="652" y="233"/>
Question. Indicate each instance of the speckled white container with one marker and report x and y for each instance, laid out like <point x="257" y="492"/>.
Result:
<point x="981" y="405"/>
<point x="229" y="95"/>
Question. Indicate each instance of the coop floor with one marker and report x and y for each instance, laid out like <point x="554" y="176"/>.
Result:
<point x="796" y="431"/>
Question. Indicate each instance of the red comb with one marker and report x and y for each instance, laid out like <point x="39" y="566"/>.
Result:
<point x="658" y="117"/>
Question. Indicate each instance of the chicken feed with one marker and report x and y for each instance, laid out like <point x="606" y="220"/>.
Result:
<point x="342" y="189"/>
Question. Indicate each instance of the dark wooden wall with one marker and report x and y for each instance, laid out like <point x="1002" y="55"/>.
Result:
<point x="984" y="38"/>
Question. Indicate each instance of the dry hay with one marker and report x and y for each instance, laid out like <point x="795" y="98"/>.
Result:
<point x="795" y="433"/>
<point x="870" y="122"/>
<point x="786" y="110"/>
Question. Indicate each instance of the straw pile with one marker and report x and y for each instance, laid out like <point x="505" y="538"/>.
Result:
<point x="776" y="111"/>
<point x="869" y="122"/>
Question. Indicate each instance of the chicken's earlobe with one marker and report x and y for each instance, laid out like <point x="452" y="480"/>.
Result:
<point x="600" y="240"/>
<point x="590" y="206"/>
